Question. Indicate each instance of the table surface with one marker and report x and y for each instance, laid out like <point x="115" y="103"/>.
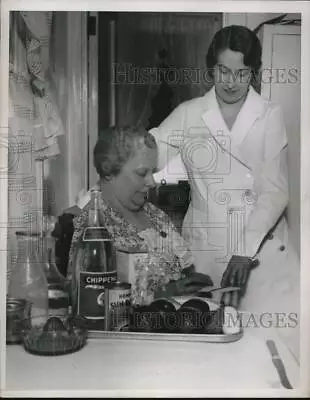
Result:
<point x="122" y="365"/>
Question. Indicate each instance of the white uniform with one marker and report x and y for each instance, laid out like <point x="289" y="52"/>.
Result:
<point x="239" y="190"/>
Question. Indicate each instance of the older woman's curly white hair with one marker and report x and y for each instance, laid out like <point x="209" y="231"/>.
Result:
<point x="116" y="145"/>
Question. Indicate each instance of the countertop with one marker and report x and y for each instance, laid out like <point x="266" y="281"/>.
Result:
<point x="123" y="367"/>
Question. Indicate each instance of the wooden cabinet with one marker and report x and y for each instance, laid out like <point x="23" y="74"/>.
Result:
<point x="281" y="82"/>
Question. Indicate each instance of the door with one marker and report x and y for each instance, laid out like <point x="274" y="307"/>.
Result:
<point x="282" y="54"/>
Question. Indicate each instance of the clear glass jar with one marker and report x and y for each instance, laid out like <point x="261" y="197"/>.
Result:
<point x="28" y="280"/>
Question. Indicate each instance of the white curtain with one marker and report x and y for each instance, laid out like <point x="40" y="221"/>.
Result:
<point x="34" y="120"/>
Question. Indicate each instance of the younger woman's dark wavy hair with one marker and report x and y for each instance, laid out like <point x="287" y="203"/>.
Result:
<point x="236" y="38"/>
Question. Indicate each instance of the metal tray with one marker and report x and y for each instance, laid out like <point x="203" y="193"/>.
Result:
<point x="184" y="337"/>
<point x="207" y="338"/>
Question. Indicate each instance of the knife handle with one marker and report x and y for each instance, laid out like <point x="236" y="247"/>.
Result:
<point x="278" y="363"/>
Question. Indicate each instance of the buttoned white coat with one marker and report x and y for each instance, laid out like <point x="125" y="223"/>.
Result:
<point x="239" y="191"/>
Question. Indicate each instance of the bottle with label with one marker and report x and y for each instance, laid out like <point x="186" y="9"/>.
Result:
<point x="58" y="296"/>
<point x="93" y="267"/>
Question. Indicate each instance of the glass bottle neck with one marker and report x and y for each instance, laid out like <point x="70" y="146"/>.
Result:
<point x="94" y="211"/>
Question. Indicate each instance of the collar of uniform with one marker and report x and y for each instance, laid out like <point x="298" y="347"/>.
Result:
<point x="250" y="111"/>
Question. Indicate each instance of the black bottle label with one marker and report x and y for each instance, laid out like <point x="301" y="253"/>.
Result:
<point x="91" y="296"/>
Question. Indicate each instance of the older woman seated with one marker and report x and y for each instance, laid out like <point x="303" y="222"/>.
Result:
<point x="126" y="159"/>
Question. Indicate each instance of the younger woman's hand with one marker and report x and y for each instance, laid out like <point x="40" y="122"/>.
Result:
<point x="237" y="274"/>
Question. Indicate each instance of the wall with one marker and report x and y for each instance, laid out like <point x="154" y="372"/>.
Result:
<point x="282" y="51"/>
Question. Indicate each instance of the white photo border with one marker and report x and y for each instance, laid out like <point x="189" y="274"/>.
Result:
<point x="181" y="6"/>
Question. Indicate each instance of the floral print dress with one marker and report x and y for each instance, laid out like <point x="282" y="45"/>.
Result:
<point x="167" y="252"/>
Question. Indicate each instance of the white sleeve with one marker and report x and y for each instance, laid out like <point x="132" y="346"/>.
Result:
<point x="169" y="136"/>
<point x="272" y="198"/>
